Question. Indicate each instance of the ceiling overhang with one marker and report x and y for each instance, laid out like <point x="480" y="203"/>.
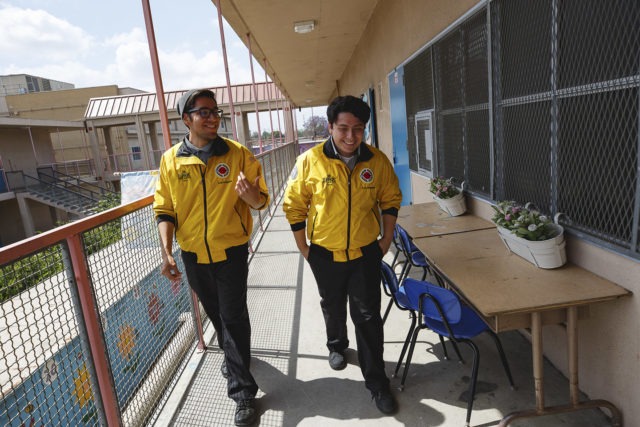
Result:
<point x="308" y="66"/>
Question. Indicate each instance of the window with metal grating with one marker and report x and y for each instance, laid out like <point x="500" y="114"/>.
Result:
<point x="539" y="102"/>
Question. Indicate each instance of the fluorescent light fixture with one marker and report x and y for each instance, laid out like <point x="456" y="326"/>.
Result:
<point x="303" y="27"/>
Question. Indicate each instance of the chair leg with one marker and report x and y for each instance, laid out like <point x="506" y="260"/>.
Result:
<point x="474" y="378"/>
<point x="406" y="343"/>
<point x="405" y="272"/>
<point x="424" y="273"/>
<point x="409" y="356"/>
<point x="395" y="258"/>
<point x="387" y="310"/>
<point x="503" y="357"/>
<point x="444" y="347"/>
<point x="455" y="347"/>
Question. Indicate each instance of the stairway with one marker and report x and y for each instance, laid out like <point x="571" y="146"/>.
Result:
<point x="71" y="195"/>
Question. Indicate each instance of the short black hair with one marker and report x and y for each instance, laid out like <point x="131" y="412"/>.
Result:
<point x="188" y="99"/>
<point x="348" y="104"/>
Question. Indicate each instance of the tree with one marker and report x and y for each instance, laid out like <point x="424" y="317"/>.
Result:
<point x="316" y="127"/>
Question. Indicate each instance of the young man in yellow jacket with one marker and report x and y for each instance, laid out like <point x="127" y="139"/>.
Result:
<point x="205" y="192"/>
<point x="345" y="194"/>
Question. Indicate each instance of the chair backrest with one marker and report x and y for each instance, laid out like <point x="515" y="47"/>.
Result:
<point x="389" y="278"/>
<point x="405" y="241"/>
<point x="447" y="299"/>
<point x="390" y="282"/>
<point x="396" y="238"/>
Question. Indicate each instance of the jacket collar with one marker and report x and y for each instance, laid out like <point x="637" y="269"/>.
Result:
<point x="364" y="152"/>
<point x="219" y="148"/>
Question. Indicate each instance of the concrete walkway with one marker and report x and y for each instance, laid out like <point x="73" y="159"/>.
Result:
<point x="298" y="388"/>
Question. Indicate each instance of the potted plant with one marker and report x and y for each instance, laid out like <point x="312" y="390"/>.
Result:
<point x="530" y="234"/>
<point x="448" y="196"/>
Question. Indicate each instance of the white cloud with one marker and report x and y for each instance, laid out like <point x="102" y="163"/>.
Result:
<point x="32" y="36"/>
<point x="37" y="42"/>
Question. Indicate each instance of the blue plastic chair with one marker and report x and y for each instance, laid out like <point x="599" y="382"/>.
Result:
<point x="442" y="312"/>
<point x="414" y="256"/>
<point x="397" y="297"/>
<point x="398" y="250"/>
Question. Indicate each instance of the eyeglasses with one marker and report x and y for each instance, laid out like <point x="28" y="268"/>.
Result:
<point x="205" y="113"/>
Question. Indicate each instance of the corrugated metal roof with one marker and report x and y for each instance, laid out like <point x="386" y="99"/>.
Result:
<point x="140" y="103"/>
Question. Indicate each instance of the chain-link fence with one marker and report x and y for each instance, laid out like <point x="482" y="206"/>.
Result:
<point x="537" y="101"/>
<point x="90" y="332"/>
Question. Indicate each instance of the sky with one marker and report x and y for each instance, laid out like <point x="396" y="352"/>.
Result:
<point x="96" y="43"/>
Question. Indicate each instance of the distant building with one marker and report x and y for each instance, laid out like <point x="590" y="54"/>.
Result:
<point x="16" y="84"/>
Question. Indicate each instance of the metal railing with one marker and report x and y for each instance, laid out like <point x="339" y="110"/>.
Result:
<point x="90" y="332"/>
<point x="84" y="167"/>
<point x="50" y="174"/>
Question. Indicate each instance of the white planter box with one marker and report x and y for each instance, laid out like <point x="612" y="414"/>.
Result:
<point x="544" y="254"/>
<point x="454" y="206"/>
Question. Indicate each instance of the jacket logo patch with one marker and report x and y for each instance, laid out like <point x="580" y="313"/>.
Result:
<point x="184" y="176"/>
<point x="366" y="175"/>
<point x="222" y="170"/>
<point x="329" y="180"/>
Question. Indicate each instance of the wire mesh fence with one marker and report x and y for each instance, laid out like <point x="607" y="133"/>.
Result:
<point x="538" y="102"/>
<point x="90" y="332"/>
<point x="45" y="361"/>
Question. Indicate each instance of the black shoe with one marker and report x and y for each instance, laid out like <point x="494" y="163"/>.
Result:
<point x="245" y="412"/>
<point x="223" y="369"/>
<point x="385" y="401"/>
<point x="337" y="361"/>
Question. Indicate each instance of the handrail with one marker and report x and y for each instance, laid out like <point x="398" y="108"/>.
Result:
<point x="57" y="187"/>
<point x="79" y="182"/>
<point x="76" y="188"/>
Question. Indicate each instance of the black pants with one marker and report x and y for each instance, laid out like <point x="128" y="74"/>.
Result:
<point x="222" y="290"/>
<point x="357" y="281"/>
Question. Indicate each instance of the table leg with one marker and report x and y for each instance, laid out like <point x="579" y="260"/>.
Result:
<point x="538" y="367"/>
<point x="572" y="350"/>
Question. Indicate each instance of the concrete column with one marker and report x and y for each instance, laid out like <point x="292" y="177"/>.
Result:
<point x="243" y="127"/>
<point x="155" y="147"/>
<point x="142" y="140"/>
<point x="240" y="127"/>
<point x="25" y="214"/>
<point x="288" y="122"/>
<point x="94" y="145"/>
<point x="108" y="142"/>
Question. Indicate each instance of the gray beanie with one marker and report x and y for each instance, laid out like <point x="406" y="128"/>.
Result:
<point x="185" y="98"/>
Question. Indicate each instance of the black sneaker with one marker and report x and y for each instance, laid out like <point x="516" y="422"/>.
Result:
<point x="385" y="401"/>
<point x="337" y="361"/>
<point x="223" y="369"/>
<point x="245" y="412"/>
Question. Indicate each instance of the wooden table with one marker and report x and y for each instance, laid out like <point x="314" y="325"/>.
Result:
<point x="427" y="220"/>
<point x="511" y="293"/>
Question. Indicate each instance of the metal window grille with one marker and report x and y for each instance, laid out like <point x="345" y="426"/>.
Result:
<point x="539" y="102"/>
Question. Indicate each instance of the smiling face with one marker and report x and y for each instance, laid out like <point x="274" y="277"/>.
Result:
<point x="202" y="130"/>
<point x="347" y="132"/>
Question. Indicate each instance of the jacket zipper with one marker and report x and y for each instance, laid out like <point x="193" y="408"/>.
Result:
<point x="349" y="215"/>
<point x="206" y="223"/>
<point x="244" y="229"/>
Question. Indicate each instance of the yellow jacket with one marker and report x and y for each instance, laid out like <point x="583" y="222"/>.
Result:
<point x="343" y="208"/>
<point x="201" y="200"/>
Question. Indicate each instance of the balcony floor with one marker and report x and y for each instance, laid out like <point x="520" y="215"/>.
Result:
<point x="298" y="388"/>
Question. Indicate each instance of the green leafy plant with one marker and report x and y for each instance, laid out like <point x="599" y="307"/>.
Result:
<point x="527" y="223"/>
<point x="443" y="188"/>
